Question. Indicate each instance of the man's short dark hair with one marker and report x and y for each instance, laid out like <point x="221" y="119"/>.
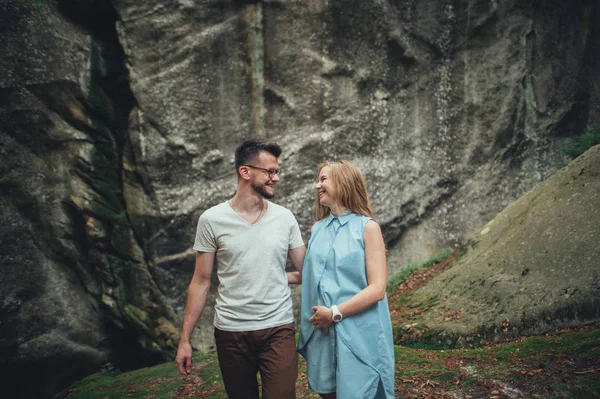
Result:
<point x="249" y="150"/>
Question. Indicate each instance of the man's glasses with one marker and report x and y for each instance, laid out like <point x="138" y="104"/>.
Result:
<point x="270" y="172"/>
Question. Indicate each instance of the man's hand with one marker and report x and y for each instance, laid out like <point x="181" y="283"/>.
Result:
<point x="322" y="318"/>
<point x="196" y="299"/>
<point x="184" y="358"/>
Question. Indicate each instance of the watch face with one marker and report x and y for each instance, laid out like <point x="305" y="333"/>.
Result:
<point x="337" y="317"/>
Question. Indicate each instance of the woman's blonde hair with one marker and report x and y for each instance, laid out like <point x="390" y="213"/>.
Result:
<point x="350" y="189"/>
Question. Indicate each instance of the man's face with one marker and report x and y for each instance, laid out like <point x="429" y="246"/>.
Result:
<point x="260" y="180"/>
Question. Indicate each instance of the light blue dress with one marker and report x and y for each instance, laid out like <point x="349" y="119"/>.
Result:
<point x="356" y="359"/>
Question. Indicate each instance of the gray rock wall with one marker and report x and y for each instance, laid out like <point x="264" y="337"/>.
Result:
<point x="48" y="316"/>
<point x="119" y="119"/>
<point x="75" y="288"/>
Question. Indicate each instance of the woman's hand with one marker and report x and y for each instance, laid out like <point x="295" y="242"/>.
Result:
<point x="322" y="318"/>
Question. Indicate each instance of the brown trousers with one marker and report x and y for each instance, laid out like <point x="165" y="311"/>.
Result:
<point x="271" y="351"/>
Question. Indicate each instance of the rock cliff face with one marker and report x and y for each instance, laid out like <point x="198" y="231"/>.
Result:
<point x="118" y="122"/>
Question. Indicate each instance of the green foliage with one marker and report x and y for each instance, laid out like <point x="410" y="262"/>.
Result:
<point x="109" y="370"/>
<point x="159" y="382"/>
<point x="38" y="3"/>
<point x="40" y="8"/>
<point x="211" y="373"/>
<point x="398" y="278"/>
<point x="581" y="143"/>
<point x="554" y="365"/>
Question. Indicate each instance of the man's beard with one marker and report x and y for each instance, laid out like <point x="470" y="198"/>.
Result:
<point x="260" y="189"/>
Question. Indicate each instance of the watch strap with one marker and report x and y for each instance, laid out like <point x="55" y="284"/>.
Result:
<point x="336" y="315"/>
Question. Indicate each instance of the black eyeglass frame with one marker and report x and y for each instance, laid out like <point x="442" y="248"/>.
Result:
<point x="270" y="172"/>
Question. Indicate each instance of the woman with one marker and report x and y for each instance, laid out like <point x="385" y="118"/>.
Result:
<point x="346" y="333"/>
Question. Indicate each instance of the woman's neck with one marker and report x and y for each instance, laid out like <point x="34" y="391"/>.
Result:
<point x="337" y="210"/>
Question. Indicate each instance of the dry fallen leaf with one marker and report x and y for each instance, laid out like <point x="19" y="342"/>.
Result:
<point x="429" y="383"/>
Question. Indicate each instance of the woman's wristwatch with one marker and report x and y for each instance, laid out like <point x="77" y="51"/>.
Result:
<point x="336" y="314"/>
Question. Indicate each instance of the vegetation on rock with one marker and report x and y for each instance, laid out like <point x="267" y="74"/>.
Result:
<point x="581" y="143"/>
<point x="399" y="278"/>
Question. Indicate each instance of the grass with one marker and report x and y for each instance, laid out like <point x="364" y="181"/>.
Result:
<point x="548" y="366"/>
<point x="398" y="278"/>
<point x="577" y="145"/>
<point x="561" y="364"/>
<point x="581" y="143"/>
<point x="161" y="381"/>
<point x="558" y="364"/>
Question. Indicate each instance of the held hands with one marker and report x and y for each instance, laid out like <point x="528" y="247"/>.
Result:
<point x="184" y="358"/>
<point x="322" y="318"/>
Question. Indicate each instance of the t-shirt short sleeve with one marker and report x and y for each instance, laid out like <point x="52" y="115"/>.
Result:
<point x="295" y="240"/>
<point x="205" y="238"/>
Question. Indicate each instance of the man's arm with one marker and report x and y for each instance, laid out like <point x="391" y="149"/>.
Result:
<point x="196" y="300"/>
<point x="296" y="255"/>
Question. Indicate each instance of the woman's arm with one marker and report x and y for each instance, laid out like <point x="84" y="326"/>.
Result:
<point x="376" y="273"/>
<point x="376" y="277"/>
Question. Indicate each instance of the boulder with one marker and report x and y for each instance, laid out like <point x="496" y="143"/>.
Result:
<point x="533" y="268"/>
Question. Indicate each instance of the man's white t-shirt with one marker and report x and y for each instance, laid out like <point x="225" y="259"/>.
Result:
<point x="253" y="292"/>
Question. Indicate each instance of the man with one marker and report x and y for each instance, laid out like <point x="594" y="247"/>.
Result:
<point x="250" y="238"/>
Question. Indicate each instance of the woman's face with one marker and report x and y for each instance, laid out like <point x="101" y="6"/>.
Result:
<point x="325" y="189"/>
